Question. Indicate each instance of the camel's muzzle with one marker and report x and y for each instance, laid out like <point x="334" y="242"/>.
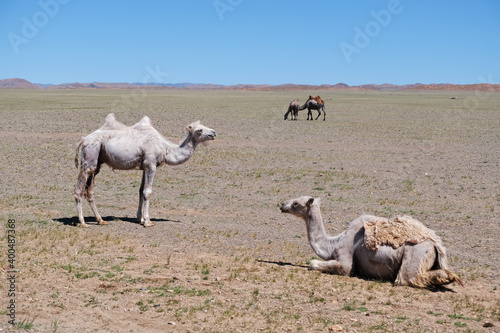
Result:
<point x="211" y="136"/>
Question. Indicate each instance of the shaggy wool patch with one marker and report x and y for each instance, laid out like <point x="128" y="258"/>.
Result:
<point x="396" y="232"/>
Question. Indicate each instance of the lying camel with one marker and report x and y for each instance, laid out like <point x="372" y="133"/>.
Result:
<point x="131" y="147"/>
<point x="405" y="251"/>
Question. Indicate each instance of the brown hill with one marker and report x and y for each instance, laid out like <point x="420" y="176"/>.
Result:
<point x="93" y="85"/>
<point x="23" y="84"/>
<point x="459" y="87"/>
<point x="75" y="85"/>
<point x="18" y="84"/>
<point x="389" y="86"/>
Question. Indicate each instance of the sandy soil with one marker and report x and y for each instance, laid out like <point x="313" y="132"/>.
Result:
<point x="221" y="257"/>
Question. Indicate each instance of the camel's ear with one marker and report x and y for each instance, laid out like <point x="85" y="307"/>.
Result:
<point x="310" y="202"/>
<point x="190" y="127"/>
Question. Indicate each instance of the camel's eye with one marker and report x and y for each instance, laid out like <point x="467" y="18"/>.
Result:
<point x="199" y="130"/>
<point x="295" y="204"/>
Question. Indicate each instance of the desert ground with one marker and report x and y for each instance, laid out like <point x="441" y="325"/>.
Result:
<point x="222" y="257"/>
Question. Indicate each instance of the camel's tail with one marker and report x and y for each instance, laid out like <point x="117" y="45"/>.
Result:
<point x="443" y="264"/>
<point x="77" y="153"/>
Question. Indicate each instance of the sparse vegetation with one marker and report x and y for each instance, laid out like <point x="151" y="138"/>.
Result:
<point x="221" y="256"/>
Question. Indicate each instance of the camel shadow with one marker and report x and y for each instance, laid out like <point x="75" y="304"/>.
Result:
<point x="281" y="263"/>
<point x="72" y="221"/>
<point x="434" y="289"/>
<point x="440" y="289"/>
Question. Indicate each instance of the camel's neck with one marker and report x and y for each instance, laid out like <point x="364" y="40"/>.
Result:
<point x="178" y="154"/>
<point x="322" y="243"/>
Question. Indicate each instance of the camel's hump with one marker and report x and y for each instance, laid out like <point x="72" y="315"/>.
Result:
<point x="396" y="232"/>
<point x="144" y="123"/>
<point x="111" y="123"/>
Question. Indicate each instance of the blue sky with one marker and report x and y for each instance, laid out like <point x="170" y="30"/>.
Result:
<point x="251" y="41"/>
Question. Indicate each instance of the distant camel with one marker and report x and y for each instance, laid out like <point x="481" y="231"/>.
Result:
<point x="131" y="147"/>
<point x="402" y="250"/>
<point x="314" y="103"/>
<point x="293" y="110"/>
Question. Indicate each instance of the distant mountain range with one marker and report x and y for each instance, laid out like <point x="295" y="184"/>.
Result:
<point x="23" y="84"/>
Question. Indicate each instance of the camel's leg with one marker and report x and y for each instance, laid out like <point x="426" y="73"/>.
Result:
<point x="319" y="114"/>
<point x="324" y="113"/>
<point x="417" y="260"/>
<point x="89" y="167"/>
<point x="331" y="267"/>
<point x="78" y="193"/>
<point x="146" y="190"/>
<point x="85" y="187"/>
<point x="415" y="270"/>
<point x="140" y="218"/>
<point x="89" y="193"/>
<point x="309" y="114"/>
<point x="286" y="115"/>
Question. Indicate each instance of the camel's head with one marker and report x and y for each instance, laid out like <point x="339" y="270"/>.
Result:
<point x="300" y="206"/>
<point x="201" y="133"/>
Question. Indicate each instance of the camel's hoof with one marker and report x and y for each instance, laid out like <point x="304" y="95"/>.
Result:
<point x="148" y="224"/>
<point x="82" y="225"/>
<point x="103" y="222"/>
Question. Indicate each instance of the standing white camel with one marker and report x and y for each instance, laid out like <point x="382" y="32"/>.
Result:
<point x="402" y="250"/>
<point x="126" y="148"/>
